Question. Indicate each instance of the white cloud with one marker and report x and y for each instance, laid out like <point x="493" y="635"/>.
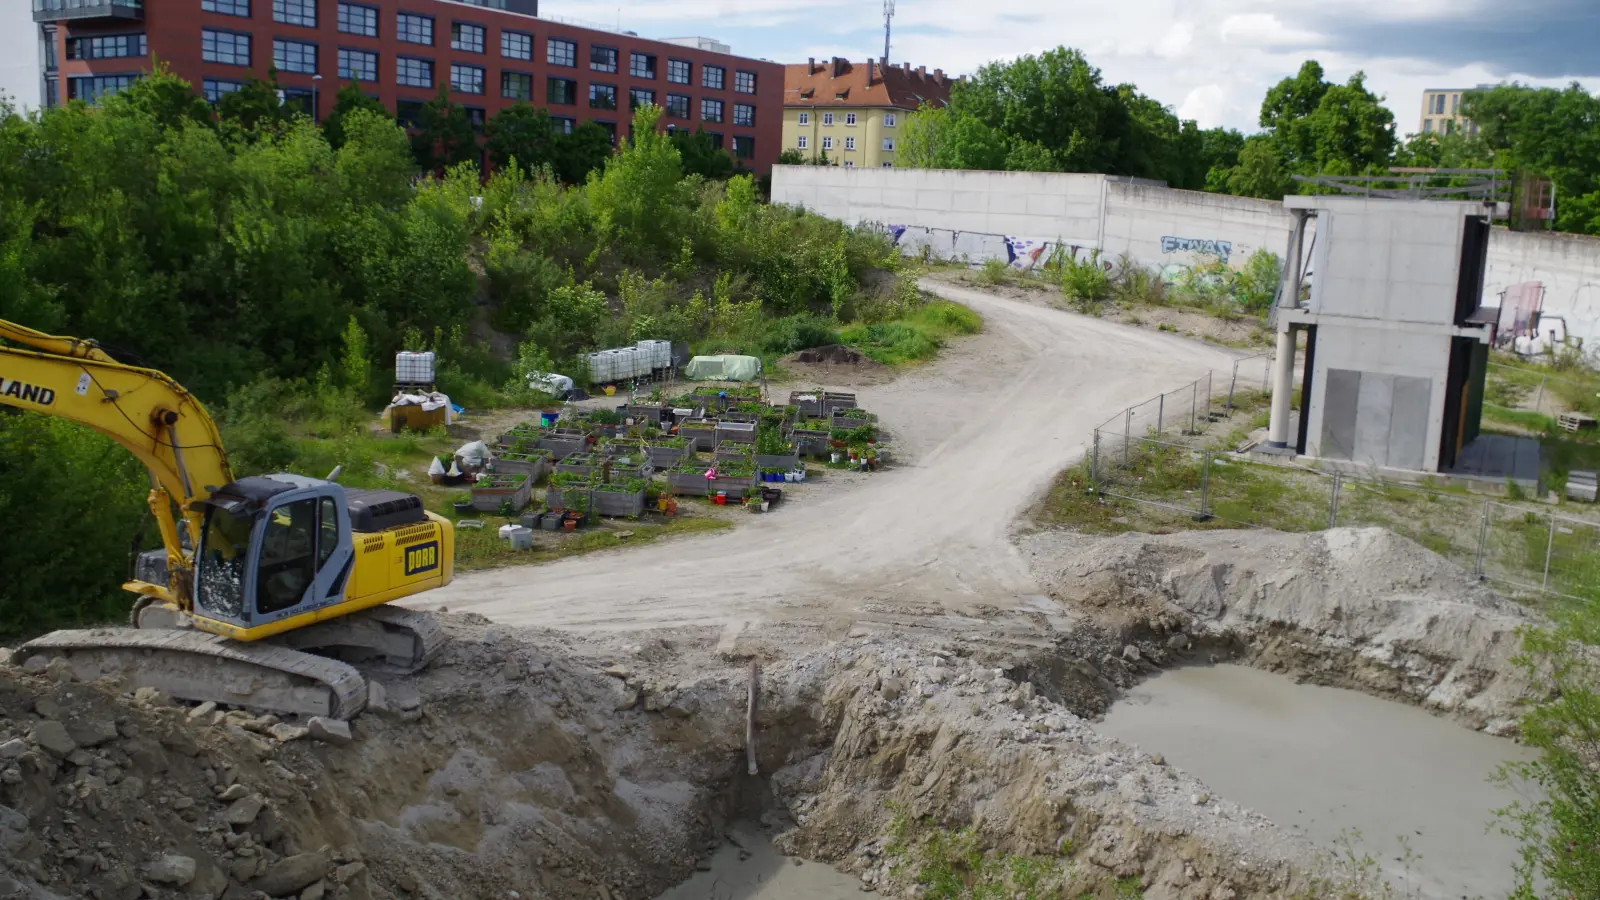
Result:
<point x="1211" y="59"/>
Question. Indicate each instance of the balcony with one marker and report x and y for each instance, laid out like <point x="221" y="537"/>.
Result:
<point x="79" y="10"/>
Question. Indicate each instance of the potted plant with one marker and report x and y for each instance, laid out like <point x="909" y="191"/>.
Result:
<point x="773" y="452"/>
<point x="462" y="503"/>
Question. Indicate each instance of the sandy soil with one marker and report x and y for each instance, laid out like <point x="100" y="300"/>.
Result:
<point x="979" y="433"/>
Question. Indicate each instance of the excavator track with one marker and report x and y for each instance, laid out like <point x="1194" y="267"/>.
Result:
<point x="385" y="640"/>
<point x="197" y="666"/>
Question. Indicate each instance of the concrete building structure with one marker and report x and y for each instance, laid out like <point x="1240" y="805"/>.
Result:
<point x="21" y="58"/>
<point x="1395" y="331"/>
<point x="488" y="53"/>
<point x="1441" y="112"/>
<point x="854" y="114"/>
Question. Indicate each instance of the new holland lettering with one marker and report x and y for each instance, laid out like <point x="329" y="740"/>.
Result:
<point x="32" y="393"/>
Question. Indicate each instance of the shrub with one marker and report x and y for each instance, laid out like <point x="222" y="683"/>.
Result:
<point x="1085" y="283"/>
<point x="994" y="272"/>
<point x="798" y="332"/>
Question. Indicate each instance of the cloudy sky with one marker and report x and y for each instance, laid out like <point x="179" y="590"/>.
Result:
<point x="1212" y="60"/>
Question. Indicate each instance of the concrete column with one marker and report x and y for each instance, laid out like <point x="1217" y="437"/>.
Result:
<point x="1282" y="389"/>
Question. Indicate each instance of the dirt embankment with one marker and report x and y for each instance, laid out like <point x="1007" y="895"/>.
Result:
<point x="1357" y="608"/>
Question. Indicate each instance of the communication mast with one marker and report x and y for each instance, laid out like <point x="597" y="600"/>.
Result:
<point x="888" y="14"/>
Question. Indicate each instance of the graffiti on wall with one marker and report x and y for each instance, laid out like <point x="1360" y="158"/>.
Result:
<point x="1220" y="249"/>
<point x="1024" y="254"/>
<point x="1027" y="254"/>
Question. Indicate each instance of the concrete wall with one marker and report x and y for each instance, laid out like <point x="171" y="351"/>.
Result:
<point x="1378" y="396"/>
<point x="1388" y="261"/>
<point x="20" y="79"/>
<point x="1020" y="217"/>
<point x="1567" y="265"/>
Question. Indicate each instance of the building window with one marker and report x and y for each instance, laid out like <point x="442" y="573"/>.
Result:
<point x="52" y="92"/>
<point x="744" y="146"/>
<point x="516" y="86"/>
<point x="743" y="114"/>
<point x="411" y="72"/>
<point x="1455" y="104"/>
<point x="362" y="20"/>
<point x="602" y="96"/>
<point x="677" y="106"/>
<point x="295" y="12"/>
<point x="1473" y="130"/>
<point x="888" y="120"/>
<point x="801" y="142"/>
<point x="743" y="83"/>
<point x="224" y="47"/>
<point x="849" y="164"/>
<point x="563" y="91"/>
<point x="1438" y="104"/>
<point x="466" y="79"/>
<point x="711" y="110"/>
<point x="827" y="143"/>
<point x="516" y="45"/>
<point x="713" y="77"/>
<point x="92" y="88"/>
<point x="849" y="143"/>
<point x="716" y="140"/>
<point x="888" y="165"/>
<point x="1449" y="126"/>
<point x="805" y="118"/>
<point x="408" y="112"/>
<point x="297" y="99"/>
<point x="602" y="59"/>
<point x="47" y="47"/>
<point x="827" y="118"/>
<point x="610" y="127"/>
<point x="849" y="118"/>
<point x="888" y="145"/>
<point x="294" y="56"/>
<point x="108" y="47"/>
<point x="357" y="65"/>
<point x="678" y="71"/>
<point x="562" y="124"/>
<point x="414" y="29"/>
<point x="239" y="8"/>
<point x="1427" y="126"/>
<point x="561" y="53"/>
<point x="642" y="65"/>
<point x="466" y="37"/>
<point x="638" y="97"/>
<point x="215" y="89"/>
<point x="476" y="117"/>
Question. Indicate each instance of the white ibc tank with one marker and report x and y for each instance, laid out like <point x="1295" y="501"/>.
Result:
<point x="659" y="353"/>
<point x="600" y="368"/>
<point x="413" y="368"/>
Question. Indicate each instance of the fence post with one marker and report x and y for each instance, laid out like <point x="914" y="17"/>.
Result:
<point x="1208" y="397"/>
<point x="1205" y="485"/>
<point x="1161" y="412"/>
<point x="1538" y="400"/>
<point x="1549" y="545"/>
<point x="1094" y="463"/>
<point x="1333" y="501"/>
<point x="1233" y="382"/>
<point x="1483" y="540"/>
<point x="1127" y="433"/>
<point x="1194" y="402"/>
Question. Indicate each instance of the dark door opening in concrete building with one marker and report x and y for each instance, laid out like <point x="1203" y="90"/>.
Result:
<point x="1463" y="398"/>
<point x="1305" y="388"/>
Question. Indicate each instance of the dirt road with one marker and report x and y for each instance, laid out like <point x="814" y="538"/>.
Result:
<point x="979" y="434"/>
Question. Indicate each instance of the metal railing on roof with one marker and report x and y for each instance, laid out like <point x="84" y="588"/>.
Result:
<point x="591" y="25"/>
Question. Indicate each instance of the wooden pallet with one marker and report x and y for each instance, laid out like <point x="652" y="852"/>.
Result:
<point x="1575" y="422"/>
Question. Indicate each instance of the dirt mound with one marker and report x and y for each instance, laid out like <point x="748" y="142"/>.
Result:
<point x="1359" y="608"/>
<point x="833" y="355"/>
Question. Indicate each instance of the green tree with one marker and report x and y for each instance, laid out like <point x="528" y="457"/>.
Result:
<point x="169" y="101"/>
<point x="254" y="107"/>
<point x="521" y="132"/>
<point x="1548" y="132"/>
<point x="1318" y="127"/>
<point x="444" y="135"/>
<point x="636" y="198"/>
<point x="937" y="137"/>
<point x="584" y="150"/>
<point x="701" y="157"/>
<point x="349" y="99"/>
<point x="1260" y="172"/>
<point x="1059" y="102"/>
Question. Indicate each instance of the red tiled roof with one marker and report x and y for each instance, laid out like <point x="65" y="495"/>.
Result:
<point x="840" y="82"/>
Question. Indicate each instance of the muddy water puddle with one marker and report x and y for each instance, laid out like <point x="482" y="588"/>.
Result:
<point x="1337" y="767"/>
<point x="753" y="869"/>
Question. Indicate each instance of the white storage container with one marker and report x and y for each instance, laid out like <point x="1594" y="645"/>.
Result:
<point x="600" y="368"/>
<point x="634" y="363"/>
<point x="413" y="368"/>
<point x="659" y="352"/>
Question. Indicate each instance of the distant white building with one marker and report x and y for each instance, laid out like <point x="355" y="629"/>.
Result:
<point x="21" y="80"/>
<point x="710" y="45"/>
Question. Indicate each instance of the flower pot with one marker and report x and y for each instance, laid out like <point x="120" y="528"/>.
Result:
<point x="569" y="524"/>
<point x="551" y="521"/>
<point x="464" y="507"/>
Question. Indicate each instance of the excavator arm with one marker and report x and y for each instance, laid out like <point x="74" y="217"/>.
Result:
<point x="143" y="410"/>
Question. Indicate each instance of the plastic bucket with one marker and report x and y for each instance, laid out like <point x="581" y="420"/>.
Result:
<point x="721" y="499"/>
<point x="548" y="418"/>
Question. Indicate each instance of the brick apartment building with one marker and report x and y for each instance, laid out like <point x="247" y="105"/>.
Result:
<point x="490" y="53"/>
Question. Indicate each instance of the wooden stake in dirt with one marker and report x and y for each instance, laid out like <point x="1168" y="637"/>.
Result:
<point x="750" y="719"/>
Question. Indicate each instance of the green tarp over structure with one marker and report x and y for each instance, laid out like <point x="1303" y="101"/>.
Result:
<point x="723" y="368"/>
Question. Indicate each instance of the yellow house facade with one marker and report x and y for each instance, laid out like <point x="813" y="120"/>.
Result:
<point x="854" y="114"/>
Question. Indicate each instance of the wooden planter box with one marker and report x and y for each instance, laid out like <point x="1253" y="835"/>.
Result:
<point x="642" y="413"/>
<point x="489" y="492"/>
<point x="809" y="442"/>
<point x="700" y="435"/>
<point x="833" y="402"/>
<point x="709" y="400"/>
<point x="787" y="463"/>
<point x="692" y="484"/>
<point x="750" y="418"/>
<point x="640" y="468"/>
<point x="618" y="503"/>
<point x="580" y="464"/>
<point x="808" y="402"/>
<point x="628" y="447"/>
<point x="732" y="451"/>
<point x="735" y="485"/>
<point x="568" y="497"/>
<point x="666" y="457"/>
<point x="535" y="465"/>
<point x="838" y="420"/>
<point x="737" y="432"/>
<point x="563" y="444"/>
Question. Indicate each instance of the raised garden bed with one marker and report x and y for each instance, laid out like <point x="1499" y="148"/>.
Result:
<point x="851" y="418"/>
<point x="746" y="418"/>
<point x="640" y="412"/>
<point x="739" y="432"/>
<point x="708" y="399"/>
<point x="811" y="439"/>
<point x="535" y="464"/>
<point x="666" y="456"/>
<point x="687" y="480"/>
<point x="782" y="462"/>
<point x="833" y="402"/>
<point x="732" y="451"/>
<point x="579" y="464"/>
<point x="563" y="444"/>
<point x="490" y="493"/>
<point x="809" y="403"/>
<point x="701" y="435"/>
<point x="621" y="499"/>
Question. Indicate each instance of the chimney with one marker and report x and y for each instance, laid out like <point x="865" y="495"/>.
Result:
<point x="869" y="72"/>
<point x="922" y="71"/>
<point x="840" y="66"/>
<point x="811" y="65"/>
<point x="906" y="67"/>
<point x="938" y="75"/>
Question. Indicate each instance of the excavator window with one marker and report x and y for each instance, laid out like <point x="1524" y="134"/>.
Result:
<point x="224" y="547"/>
<point x="328" y="533"/>
<point x="288" y="556"/>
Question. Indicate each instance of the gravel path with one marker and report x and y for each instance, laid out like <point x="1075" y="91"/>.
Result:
<point x="979" y="433"/>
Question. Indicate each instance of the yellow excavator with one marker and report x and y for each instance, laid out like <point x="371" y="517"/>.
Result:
<point x="269" y="590"/>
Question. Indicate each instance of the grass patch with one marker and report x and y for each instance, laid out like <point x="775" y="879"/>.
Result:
<point x="1525" y="420"/>
<point x="485" y="549"/>
<point x="916" y="336"/>
<point x="954" y="865"/>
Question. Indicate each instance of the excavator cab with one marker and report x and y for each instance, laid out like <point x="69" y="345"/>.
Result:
<point x="273" y="547"/>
